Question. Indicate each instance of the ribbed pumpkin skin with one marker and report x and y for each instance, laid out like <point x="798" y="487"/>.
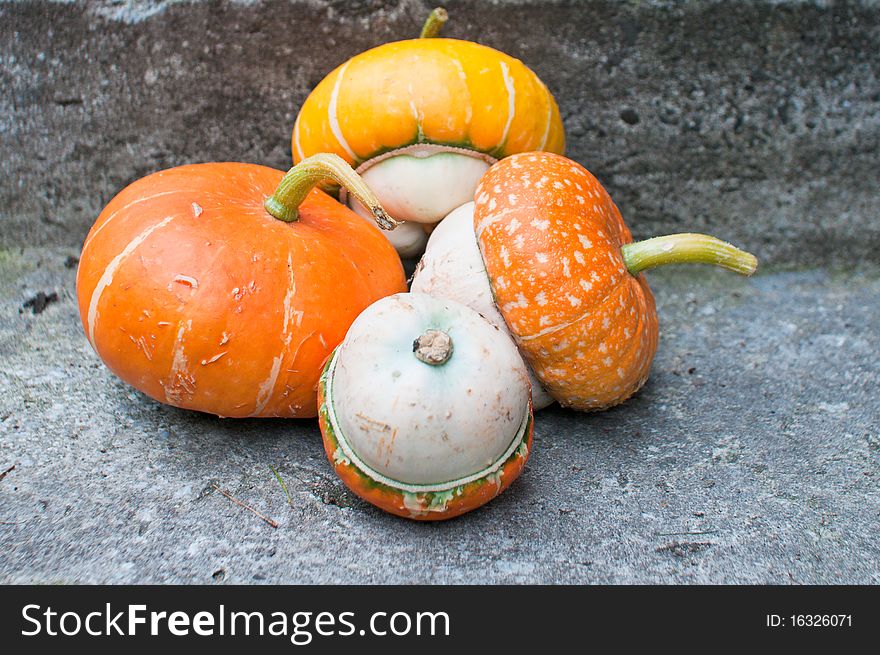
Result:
<point x="192" y="293"/>
<point x="550" y="237"/>
<point x="440" y="91"/>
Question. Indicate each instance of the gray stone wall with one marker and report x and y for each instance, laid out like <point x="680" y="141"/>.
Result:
<point x="759" y="121"/>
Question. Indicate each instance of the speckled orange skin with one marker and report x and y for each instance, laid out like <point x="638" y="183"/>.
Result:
<point x="550" y="237"/>
<point x="192" y="293"/>
<point x="472" y="495"/>
<point x="439" y="91"/>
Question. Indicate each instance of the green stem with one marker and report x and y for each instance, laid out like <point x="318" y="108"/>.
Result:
<point x="687" y="249"/>
<point x="306" y="175"/>
<point x="434" y="23"/>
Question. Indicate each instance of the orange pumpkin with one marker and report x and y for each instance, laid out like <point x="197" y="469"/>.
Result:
<point x="423" y="119"/>
<point x="191" y="291"/>
<point x="566" y="277"/>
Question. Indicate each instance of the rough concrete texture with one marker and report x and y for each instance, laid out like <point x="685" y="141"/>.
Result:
<point x="752" y="455"/>
<point x="758" y="121"/>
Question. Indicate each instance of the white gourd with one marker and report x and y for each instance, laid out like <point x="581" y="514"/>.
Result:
<point x="452" y="267"/>
<point x="423" y="391"/>
<point x="420" y="185"/>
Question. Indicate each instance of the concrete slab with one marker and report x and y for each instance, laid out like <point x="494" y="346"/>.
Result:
<point x="752" y="455"/>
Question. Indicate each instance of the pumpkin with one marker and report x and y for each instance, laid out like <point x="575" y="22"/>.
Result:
<point x="430" y="419"/>
<point x="453" y="268"/>
<point x="423" y="119"/>
<point x="558" y="262"/>
<point x="223" y="287"/>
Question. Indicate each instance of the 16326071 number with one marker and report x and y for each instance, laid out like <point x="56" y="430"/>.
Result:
<point x="821" y="620"/>
<point x="809" y="621"/>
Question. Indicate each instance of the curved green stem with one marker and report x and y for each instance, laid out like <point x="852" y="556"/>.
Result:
<point x="306" y="175"/>
<point x="687" y="249"/>
<point x="434" y="23"/>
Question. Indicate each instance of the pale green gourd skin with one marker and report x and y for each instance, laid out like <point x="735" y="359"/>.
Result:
<point x="421" y="424"/>
<point x="425" y="189"/>
<point x="420" y="185"/>
<point x="419" y="502"/>
<point x="408" y="239"/>
<point x="423" y="497"/>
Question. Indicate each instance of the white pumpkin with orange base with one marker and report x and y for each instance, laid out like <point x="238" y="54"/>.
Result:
<point x="430" y="419"/>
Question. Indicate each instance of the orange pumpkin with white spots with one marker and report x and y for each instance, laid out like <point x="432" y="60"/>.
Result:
<point x="566" y="278"/>
<point x="197" y="291"/>
<point x="422" y="120"/>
